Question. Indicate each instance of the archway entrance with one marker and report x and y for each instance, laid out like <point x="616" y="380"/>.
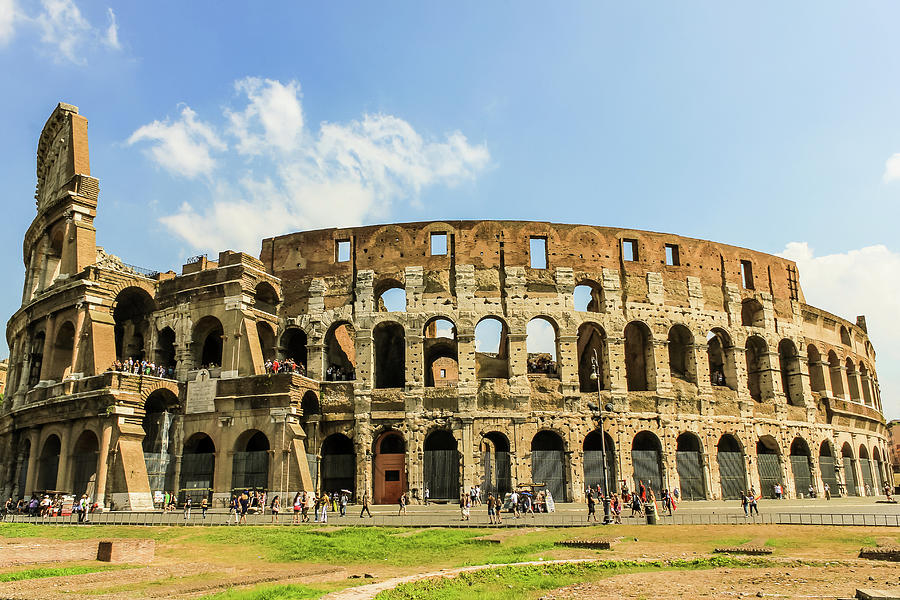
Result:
<point x="826" y="467"/>
<point x="198" y="464"/>
<point x="390" y="468"/>
<point x="338" y="464"/>
<point x="732" y="473"/>
<point x="496" y="465"/>
<point x="84" y="465"/>
<point x="849" y="470"/>
<point x="48" y="464"/>
<point x="646" y="457"/>
<point x="548" y="464"/>
<point x="866" y="468"/>
<point x="800" y="467"/>
<point x="159" y="452"/>
<point x="441" y="465"/>
<point x="768" y="461"/>
<point x="594" y="459"/>
<point x="250" y="466"/>
<point x="689" y="462"/>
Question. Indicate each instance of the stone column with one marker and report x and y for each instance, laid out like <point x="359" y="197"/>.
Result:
<point x="315" y="359"/>
<point x="698" y="354"/>
<point x="103" y="462"/>
<point x="615" y="364"/>
<point x="658" y="374"/>
<point x="364" y="373"/>
<point x="33" y="455"/>
<point x="49" y="335"/>
<point x="62" y="474"/>
<point x="415" y="367"/>
<point x="469" y="463"/>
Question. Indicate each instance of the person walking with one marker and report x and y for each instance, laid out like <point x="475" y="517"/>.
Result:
<point x="343" y="505"/>
<point x="276" y="508"/>
<point x="592" y="507"/>
<point x="514" y="499"/>
<point x="365" y="506"/>
<point x="325" y="510"/>
<point x="427" y="495"/>
<point x="401" y="502"/>
<point x="204" y="506"/>
<point x="236" y="508"/>
<point x="745" y="503"/>
<point x="245" y="504"/>
<point x="298" y="505"/>
<point x="490" y="508"/>
<point x="754" y="506"/>
<point x="617" y="509"/>
<point x="316" y="507"/>
<point x="187" y="508"/>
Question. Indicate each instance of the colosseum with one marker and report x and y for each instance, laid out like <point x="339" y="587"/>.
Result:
<point x="432" y="354"/>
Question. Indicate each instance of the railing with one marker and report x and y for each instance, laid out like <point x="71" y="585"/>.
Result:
<point x="195" y="259"/>
<point x="142" y="270"/>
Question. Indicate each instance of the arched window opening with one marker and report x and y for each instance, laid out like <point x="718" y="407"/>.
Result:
<point x="340" y="352"/>
<point x="681" y="354"/>
<point x="852" y="380"/>
<point x="165" y="350"/>
<point x="309" y="405"/>
<point x="548" y="464"/>
<point x="209" y="342"/>
<point x="835" y="372"/>
<point x="732" y="472"/>
<point x="689" y="463"/>
<point x="198" y="465"/>
<point x="390" y="296"/>
<point x="338" y="464"/>
<point x="389" y="468"/>
<point x="845" y="336"/>
<point x="849" y="464"/>
<point x="54" y="255"/>
<point x="491" y="349"/>
<point x="266" y="336"/>
<point x="865" y="466"/>
<point x="159" y="435"/>
<point x="801" y="468"/>
<point x="827" y="468"/>
<point x="48" y="464"/>
<point x="266" y="298"/>
<point x="865" y="382"/>
<point x="441" y="353"/>
<point x="390" y="355"/>
<point x="63" y="349"/>
<point x="84" y="465"/>
<point x="646" y="456"/>
<point x="496" y="465"/>
<point x="36" y="357"/>
<point x="132" y="310"/>
<point x="752" y="314"/>
<point x="441" y="465"/>
<point x="588" y="296"/>
<point x="594" y="461"/>
<point x="768" y="461"/>
<point x="791" y="378"/>
<point x="591" y="348"/>
<point x="638" y="356"/>
<point x="541" y="344"/>
<point x="757" y="368"/>
<point x="816" y="369"/>
<point x="250" y="465"/>
<point x="720" y="352"/>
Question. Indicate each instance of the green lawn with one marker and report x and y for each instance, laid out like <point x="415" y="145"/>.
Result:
<point x="52" y="572"/>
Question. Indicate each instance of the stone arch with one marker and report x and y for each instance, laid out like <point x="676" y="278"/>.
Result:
<point x="865" y="466"/>
<point x="209" y="342"/>
<point x="340" y="352"/>
<point x="639" y="359"/>
<point x="266" y="298"/>
<point x="250" y="463"/>
<point x="63" y="349"/>
<point x="689" y="464"/>
<point x="198" y="467"/>
<point x="835" y="370"/>
<point x="85" y="453"/>
<point x="160" y="409"/>
<point x="801" y="467"/>
<point x="849" y="463"/>
<point x="791" y="377"/>
<point x="266" y="335"/>
<point x="681" y="353"/>
<point x="165" y="348"/>
<point x="864" y="383"/>
<point x="37" y="358"/>
<point x="496" y="465"/>
<point x="592" y="345"/>
<point x="852" y="380"/>
<point x="48" y="463"/>
<point x="491" y="348"/>
<point x="132" y="309"/>
<point x="441" y="464"/>
<point x="752" y="314"/>
<point x="827" y="466"/>
<point x="732" y="470"/>
<point x="542" y="345"/>
<point x="720" y="353"/>
<point x="548" y="463"/>
<point x="309" y="405"/>
<point x="390" y="296"/>
<point x="758" y="368"/>
<point x="389" y="341"/>
<point x="389" y="467"/>
<point x="816" y="371"/>
<point x="768" y="462"/>
<point x="845" y="336"/>
<point x="441" y="352"/>
<point x="594" y="461"/>
<point x="588" y="296"/>
<point x="646" y="457"/>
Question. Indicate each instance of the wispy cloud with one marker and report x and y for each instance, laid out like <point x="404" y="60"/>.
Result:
<point x="112" y="30"/>
<point x="8" y="15"/>
<point x="864" y="281"/>
<point x="282" y="176"/>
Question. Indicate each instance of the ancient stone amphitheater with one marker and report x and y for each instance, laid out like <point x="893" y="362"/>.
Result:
<point x="434" y="354"/>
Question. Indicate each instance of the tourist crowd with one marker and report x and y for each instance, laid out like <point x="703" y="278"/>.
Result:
<point x="285" y="366"/>
<point x="137" y="366"/>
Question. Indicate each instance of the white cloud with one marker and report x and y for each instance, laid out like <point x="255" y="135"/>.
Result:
<point x="290" y="178"/>
<point x="864" y="281"/>
<point x="183" y="146"/>
<point x="63" y="26"/>
<point x="892" y="168"/>
<point x="112" y="31"/>
<point x="541" y="337"/>
<point x="8" y="16"/>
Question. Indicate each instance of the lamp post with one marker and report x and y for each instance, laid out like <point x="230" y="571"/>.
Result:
<point x="597" y="410"/>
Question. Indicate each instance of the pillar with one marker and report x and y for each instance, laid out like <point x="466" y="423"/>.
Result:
<point x="62" y="474"/>
<point x="34" y="454"/>
<point x="103" y="462"/>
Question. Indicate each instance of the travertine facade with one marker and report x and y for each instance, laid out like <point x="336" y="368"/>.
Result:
<point x="713" y="372"/>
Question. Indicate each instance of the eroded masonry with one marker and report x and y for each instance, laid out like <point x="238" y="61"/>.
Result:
<point x="434" y="354"/>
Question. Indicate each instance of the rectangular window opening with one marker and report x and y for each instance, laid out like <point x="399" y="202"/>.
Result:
<point x="438" y="244"/>
<point x="630" y="250"/>
<point x="672" y="258"/>
<point x="392" y="475"/>
<point x="538" y="252"/>
<point x="443" y="373"/>
<point x="341" y="250"/>
<point x="747" y="274"/>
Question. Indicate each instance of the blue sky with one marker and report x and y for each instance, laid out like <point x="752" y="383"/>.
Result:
<point x="770" y="125"/>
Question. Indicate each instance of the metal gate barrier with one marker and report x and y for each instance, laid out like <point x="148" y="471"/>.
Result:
<point x="769" y="474"/>
<point x="802" y="474"/>
<point x="690" y="475"/>
<point x="313" y="462"/>
<point x="593" y="469"/>
<point x="850" y="476"/>
<point x="442" y="474"/>
<point x="731" y="474"/>
<point x="647" y="469"/>
<point x="160" y="470"/>
<point x="826" y="468"/>
<point x="338" y="472"/>
<point x="497" y="474"/>
<point x="549" y="467"/>
<point x="250" y="470"/>
<point x="867" y="476"/>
